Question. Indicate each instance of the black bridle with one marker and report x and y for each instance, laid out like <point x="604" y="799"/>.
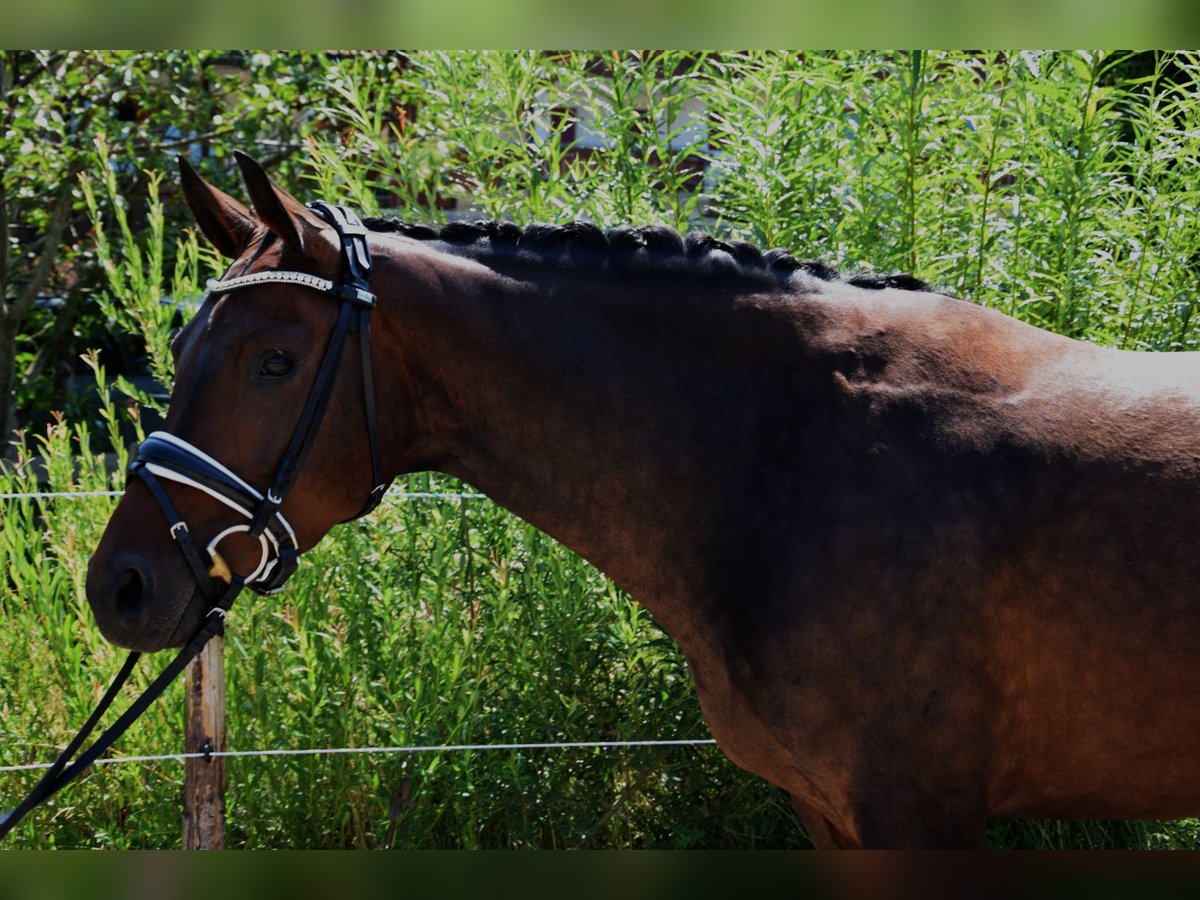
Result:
<point x="167" y="456"/>
<point x="164" y="456"/>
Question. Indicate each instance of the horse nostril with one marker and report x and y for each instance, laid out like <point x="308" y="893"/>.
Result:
<point x="129" y="595"/>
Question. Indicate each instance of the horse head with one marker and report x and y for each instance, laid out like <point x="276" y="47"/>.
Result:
<point x="264" y="447"/>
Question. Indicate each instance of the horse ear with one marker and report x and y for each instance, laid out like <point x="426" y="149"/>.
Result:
<point x="226" y="223"/>
<point x="281" y="212"/>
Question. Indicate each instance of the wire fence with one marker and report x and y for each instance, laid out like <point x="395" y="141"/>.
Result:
<point x="56" y="495"/>
<point x="394" y="496"/>
<point x="344" y="751"/>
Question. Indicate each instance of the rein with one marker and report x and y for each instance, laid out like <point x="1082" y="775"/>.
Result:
<point x="168" y="457"/>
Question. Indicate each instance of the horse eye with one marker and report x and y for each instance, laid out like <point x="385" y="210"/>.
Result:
<point x="275" y="365"/>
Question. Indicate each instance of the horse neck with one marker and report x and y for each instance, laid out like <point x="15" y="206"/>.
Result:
<point x="583" y="404"/>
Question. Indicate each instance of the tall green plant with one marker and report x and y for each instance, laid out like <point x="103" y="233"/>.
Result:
<point x="135" y="301"/>
<point x="149" y="106"/>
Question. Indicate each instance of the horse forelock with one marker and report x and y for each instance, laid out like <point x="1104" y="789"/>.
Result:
<point x="582" y="244"/>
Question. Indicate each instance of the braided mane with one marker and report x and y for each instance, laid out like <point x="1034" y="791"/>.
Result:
<point x="578" y="241"/>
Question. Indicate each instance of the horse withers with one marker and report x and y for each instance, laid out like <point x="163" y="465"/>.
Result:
<point x="927" y="563"/>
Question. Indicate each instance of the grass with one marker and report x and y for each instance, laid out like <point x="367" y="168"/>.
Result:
<point x="436" y="621"/>
<point x="1033" y="183"/>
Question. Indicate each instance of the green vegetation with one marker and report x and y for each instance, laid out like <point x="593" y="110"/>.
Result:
<point x="148" y="106"/>
<point x="1058" y="188"/>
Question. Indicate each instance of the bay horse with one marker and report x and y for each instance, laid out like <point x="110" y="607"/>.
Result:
<point x="927" y="564"/>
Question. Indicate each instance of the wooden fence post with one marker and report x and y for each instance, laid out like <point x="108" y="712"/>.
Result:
<point x="204" y="779"/>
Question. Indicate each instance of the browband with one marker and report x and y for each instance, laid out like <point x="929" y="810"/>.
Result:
<point x="349" y="292"/>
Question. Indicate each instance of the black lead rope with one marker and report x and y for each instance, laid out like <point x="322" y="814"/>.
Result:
<point x="63" y="771"/>
<point x="53" y="780"/>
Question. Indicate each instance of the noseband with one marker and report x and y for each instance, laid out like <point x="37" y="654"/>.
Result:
<point x="166" y="456"/>
<point x="170" y="458"/>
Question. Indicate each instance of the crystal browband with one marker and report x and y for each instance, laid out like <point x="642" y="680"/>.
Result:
<point x="304" y="279"/>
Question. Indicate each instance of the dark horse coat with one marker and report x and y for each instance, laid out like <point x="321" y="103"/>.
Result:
<point x="927" y="563"/>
